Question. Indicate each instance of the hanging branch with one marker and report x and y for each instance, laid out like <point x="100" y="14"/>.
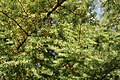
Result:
<point x="15" y="22"/>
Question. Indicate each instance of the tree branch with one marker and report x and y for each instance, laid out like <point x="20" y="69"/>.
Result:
<point x="116" y="5"/>
<point x="15" y="22"/>
<point x="106" y="72"/>
<point x="54" y="8"/>
<point x="109" y="67"/>
<point x="23" y="8"/>
<point x="18" y="47"/>
<point x="19" y="27"/>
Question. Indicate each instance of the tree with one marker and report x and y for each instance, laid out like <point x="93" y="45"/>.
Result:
<point x="59" y="39"/>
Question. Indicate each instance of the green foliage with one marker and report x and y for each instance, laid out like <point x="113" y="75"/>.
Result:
<point x="59" y="39"/>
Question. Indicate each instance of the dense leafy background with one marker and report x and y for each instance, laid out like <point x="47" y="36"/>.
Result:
<point x="59" y="40"/>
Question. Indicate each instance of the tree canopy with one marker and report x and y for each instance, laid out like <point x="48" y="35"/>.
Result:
<point x="60" y="39"/>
